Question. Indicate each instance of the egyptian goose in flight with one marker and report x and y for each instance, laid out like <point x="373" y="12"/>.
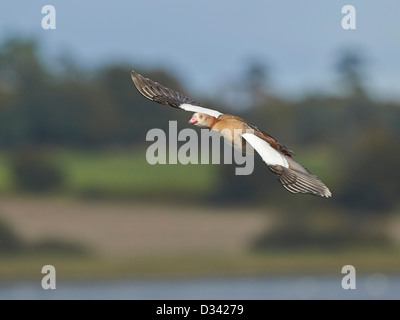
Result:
<point x="293" y="176"/>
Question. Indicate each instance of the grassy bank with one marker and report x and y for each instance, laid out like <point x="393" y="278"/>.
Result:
<point x="192" y="265"/>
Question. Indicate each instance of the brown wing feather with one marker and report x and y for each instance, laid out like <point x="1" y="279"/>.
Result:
<point x="298" y="179"/>
<point x="156" y="92"/>
<point x="272" y="141"/>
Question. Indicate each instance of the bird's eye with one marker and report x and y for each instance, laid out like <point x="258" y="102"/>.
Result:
<point x="200" y="116"/>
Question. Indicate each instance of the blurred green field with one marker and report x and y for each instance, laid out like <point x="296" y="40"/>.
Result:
<point x="6" y="177"/>
<point x="129" y="173"/>
<point x="118" y="173"/>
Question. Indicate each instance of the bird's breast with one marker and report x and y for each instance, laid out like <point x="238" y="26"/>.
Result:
<point x="232" y="134"/>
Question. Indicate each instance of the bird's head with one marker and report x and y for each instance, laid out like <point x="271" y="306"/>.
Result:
<point x="202" y="120"/>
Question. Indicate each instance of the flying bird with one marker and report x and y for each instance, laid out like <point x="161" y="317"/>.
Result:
<point x="292" y="175"/>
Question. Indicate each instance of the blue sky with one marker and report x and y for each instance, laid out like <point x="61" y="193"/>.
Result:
<point x="209" y="43"/>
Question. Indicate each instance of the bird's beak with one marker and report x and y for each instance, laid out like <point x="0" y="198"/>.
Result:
<point x="193" y="120"/>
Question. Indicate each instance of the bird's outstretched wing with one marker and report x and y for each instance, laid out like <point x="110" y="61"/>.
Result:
<point x="156" y="92"/>
<point x="270" y="155"/>
<point x="292" y="175"/>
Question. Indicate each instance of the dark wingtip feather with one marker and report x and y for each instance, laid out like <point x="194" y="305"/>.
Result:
<point x="158" y="93"/>
<point x="304" y="183"/>
<point x="297" y="179"/>
<point x="135" y="76"/>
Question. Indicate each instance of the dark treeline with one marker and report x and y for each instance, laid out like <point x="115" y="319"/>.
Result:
<point x="354" y="138"/>
<point x="69" y="107"/>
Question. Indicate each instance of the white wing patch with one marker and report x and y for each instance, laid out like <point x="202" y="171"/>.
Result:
<point x="190" y="107"/>
<point x="267" y="153"/>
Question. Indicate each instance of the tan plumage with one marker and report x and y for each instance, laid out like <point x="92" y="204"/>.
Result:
<point x="293" y="176"/>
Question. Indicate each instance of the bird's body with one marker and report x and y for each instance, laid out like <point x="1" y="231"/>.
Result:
<point x="231" y="128"/>
<point x="293" y="176"/>
<point x="228" y="123"/>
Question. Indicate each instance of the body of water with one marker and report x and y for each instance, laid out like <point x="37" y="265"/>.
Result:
<point x="375" y="286"/>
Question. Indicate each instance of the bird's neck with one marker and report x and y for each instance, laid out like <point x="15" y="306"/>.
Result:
<point x="214" y="121"/>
